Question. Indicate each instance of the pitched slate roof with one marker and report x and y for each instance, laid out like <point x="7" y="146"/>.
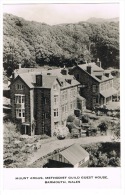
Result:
<point x="29" y="79"/>
<point x="74" y="154"/>
<point x="47" y="80"/>
<point x="96" y="71"/>
<point x="93" y="65"/>
<point x="109" y="92"/>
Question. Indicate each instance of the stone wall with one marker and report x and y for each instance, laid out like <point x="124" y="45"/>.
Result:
<point x="87" y="91"/>
<point x="42" y="111"/>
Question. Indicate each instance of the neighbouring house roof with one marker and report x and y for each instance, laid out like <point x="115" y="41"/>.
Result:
<point x="74" y="154"/>
<point x="93" y="65"/>
<point x="109" y="92"/>
<point x="107" y="71"/>
<point x="96" y="71"/>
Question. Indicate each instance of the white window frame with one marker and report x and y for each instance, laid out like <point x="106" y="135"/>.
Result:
<point x="56" y="113"/>
<point x="20" y="112"/>
<point x="19" y="99"/>
<point x="55" y="99"/>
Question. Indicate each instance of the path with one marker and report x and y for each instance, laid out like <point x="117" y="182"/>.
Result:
<point x="52" y="145"/>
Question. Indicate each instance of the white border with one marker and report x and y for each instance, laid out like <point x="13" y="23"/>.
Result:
<point x="122" y="51"/>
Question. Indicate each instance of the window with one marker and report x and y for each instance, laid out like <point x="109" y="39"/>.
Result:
<point x="55" y="99"/>
<point x="19" y="99"/>
<point x="23" y="99"/>
<point x="71" y="106"/>
<point x="45" y="100"/>
<point x="56" y="125"/>
<point x="20" y="86"/>
<point x="20" y="113"/>
<point x="23" y="112"/>
<point x="95" y="100"/>
<point x="16" y="99"/>
<point x="46" y="115"/>
<point x="94" y="88"/>
<point x="56" y="112"/>
<point x="65" y="108"/>
<point x="62" y="109"/>
<point x="55" y="87"/>
<point x="77" y="76"/>
<point x="60" y="157"/>
<point x="65" y="92"/>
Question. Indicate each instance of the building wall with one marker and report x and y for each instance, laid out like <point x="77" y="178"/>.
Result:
<point x="68" y="102"/>
<point x="42" y="111"/>
<point x="106" y="85"/>
<point x="60" y="158"/>
<point x="32" y="110"/>
<point x="87" y="91"/>
<point x="25" y="91"/>
<point x="55" y="106"/>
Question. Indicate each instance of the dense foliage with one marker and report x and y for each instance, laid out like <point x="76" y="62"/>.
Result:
<point x="17" y="147"/>
<point x="104" y="154"/>
<point x="33" y="43"/>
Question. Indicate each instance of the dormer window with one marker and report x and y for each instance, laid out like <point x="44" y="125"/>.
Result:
<point x="62" y="83"/>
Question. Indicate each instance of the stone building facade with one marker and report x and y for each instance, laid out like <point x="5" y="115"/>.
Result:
<point x="43" y="101"/>
<point x="96" y="84"/>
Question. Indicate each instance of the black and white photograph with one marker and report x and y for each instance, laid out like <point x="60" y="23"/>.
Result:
<point x="61" y="86"/>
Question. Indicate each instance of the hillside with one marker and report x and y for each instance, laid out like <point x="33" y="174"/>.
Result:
<point x="96" y="20"/>
<point x="37" y="44"/>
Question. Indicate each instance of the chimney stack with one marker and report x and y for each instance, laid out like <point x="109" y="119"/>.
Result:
<point x="39" y="80"/>
<point x="89" y="69"/>
<point x="98" y="62"/>
<point x="20" y="66"/>
<point x="64" y="71"/>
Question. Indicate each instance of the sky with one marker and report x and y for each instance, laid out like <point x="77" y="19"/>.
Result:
<point x="62" y="13"/>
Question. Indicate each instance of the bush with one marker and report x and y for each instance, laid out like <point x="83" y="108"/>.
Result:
<point x="85" y="119"/>
<point x="70" y="118"/>
<point x="103" y="126"/>
<point x="104" y="154"/>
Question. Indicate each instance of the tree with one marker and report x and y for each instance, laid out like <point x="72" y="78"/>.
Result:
<point x="103" y="127"/>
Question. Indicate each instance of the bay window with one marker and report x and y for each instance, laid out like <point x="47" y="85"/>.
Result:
<point x="19" y="98"/>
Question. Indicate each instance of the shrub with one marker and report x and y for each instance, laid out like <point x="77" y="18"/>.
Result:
<point x="85" y="119"/>
<point x="70" y="118"/>
<point x="103" y="126"/>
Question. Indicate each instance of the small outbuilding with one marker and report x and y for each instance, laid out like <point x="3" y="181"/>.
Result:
<point x="73" y="156"/>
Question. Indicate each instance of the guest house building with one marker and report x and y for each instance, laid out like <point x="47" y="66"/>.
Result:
<point x="43" y="100"/>
<point x="96" y="84"/>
